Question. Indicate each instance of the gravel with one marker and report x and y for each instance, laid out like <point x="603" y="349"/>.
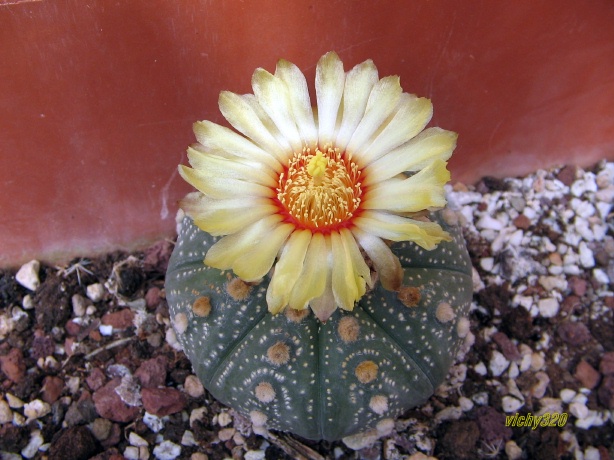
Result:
<point x="90" y="367"/>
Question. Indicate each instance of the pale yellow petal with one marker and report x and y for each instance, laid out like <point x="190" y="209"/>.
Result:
<point x="382" y="101"/>
<point x="386" y="264"/>
<point x="329" y="90"/>
<point x="222" y="217"/>
<point x="410" y="117"/>
<point x="431" y="144"/>
<point x="287" y="270"/>
<point x="272" y="94"/>
<point x="216" y="166"/>
<point x="224" y="253"/>
<point x="313" y="276"/>
<point x="358" y="261"/>
<point x="255" y="263"/>
<point x="348" y="285"/>
<point x="219" y="138"/>
<point x="243" y="115"/>
<point x="396" y="228"/>
<point x="423" y="190"/>
<point x="358" y="85"/>
<point x="222" y="187"/>
<point x="300" y="101"/>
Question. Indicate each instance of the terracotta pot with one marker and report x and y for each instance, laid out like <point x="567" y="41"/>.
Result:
<point x="97" y="99"/>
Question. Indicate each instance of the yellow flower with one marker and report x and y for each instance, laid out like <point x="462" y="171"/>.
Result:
<point x="307" y="191"/>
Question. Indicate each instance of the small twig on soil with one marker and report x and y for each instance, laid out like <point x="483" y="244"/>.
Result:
<point x="294" y="448"/>
<point x="108" y="346"/>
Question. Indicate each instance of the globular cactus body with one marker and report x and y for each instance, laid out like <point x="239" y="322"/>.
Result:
<point x="321" y="380"/>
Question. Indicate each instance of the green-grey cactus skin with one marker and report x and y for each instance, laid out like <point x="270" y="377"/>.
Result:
<point x="315" y="390"/>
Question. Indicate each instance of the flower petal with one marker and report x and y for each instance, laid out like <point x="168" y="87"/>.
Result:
<point x="423" y="190"/>
<point x="222" y="187"/>
<point x="216" y="166"/>
<point x="329" y="89"/>
<point x="396" y="228"/>
<point x="287" y="270"/>
<point x="219" y="138"/>
<point x="410" y="117"/>
<point x="431" y="144"/>
<point x="240" y="111"/>
<point x="382" y="101"/>
<point x="348" y="285"/>
<point x="222" y="217"/>
<point x="226" y="251"/>
<point x="273" y="97"/>
<point x="255" y="263"/>
<point x="358" y="85"/>
<point x="313" y="276"/>
<point x="300" y="101"/>
<point x="386" y="264"/>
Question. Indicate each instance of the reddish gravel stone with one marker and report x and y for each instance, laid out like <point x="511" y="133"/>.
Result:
<point x="606" y="392"/>
<point x="152" y="298"/>
<point x="52" y="388"/>
<point x="13" y="366"/>
<point x="577" y="285"/>
<point x="567" y="174"/>
<point x="121" y="319"/>
<point x="522" y="222"/>
<point x="96" y="379"/>
<point x="606" y="366"/>
<point x="109" y="404"/>
<point x="152" y="373"/>
<point x="587" y="375"/>
<point x="163" y="401"/>
<point x="492" y="425"/>
<point x="508" y="348"/>
<point x="574" y="333"/>
<point x="609" y="301"/>
<point x="73" y="329"/>
<point x="570" y="304"/>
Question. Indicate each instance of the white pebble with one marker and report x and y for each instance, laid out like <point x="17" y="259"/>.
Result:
<point x="480" y="368"/>
<point x="592" y="453"/>
<point x="465" y="403"/>
<point x="548" y="308"/>
<point x="513" y="450"/>
<point x="550" y="283"/>
<point x="27" y="275"/>
<point x="153" y="422"/>
<point x="188" y="439"/>
<point x="36" y="409"/>
<point x="28" y="302"/>
<point x="578" y="410"/>
<point x="6" y="414"/>
<point x="254" y="455"/>
<point x="167" y="450"/>
<point x="511" y="404"/>
<point x="224" y="419"/>
<point x="131" y="453"/>
<point x="488" y="223"/>
<point x="105" y="329"/>
<point x="36" y="440"/>
<point x="601" y="276"/>
<point x="481" y="398"/>
<point x="586" y="256"/>
<point x="171" y="339"/>
<point x="79" y="305"/>
<point x="513" y="370"/>
<point x="567" y="395"/>
<point x="537" y="362"/>
<point x="586" y="184"/>
<point x="498" y="363"/>
<point x="582" y="208"/>
<point x="135" y="440"/>
<point x="95" y="292"/>
<point x="193" y="386"/>
<point x="487" y="263"/>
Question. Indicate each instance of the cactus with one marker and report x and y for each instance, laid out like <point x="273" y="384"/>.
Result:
<point x="292" y="372"/>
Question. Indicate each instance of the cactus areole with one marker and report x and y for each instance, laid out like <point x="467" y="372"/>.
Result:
<point x="317" y="286"/>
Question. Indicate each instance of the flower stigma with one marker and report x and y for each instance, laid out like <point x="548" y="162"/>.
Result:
<point x="320" y="192"/>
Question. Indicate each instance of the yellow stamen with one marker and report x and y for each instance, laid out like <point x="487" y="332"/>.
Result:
<point x="317" y="167"/>
<point x="320" y="191"/>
